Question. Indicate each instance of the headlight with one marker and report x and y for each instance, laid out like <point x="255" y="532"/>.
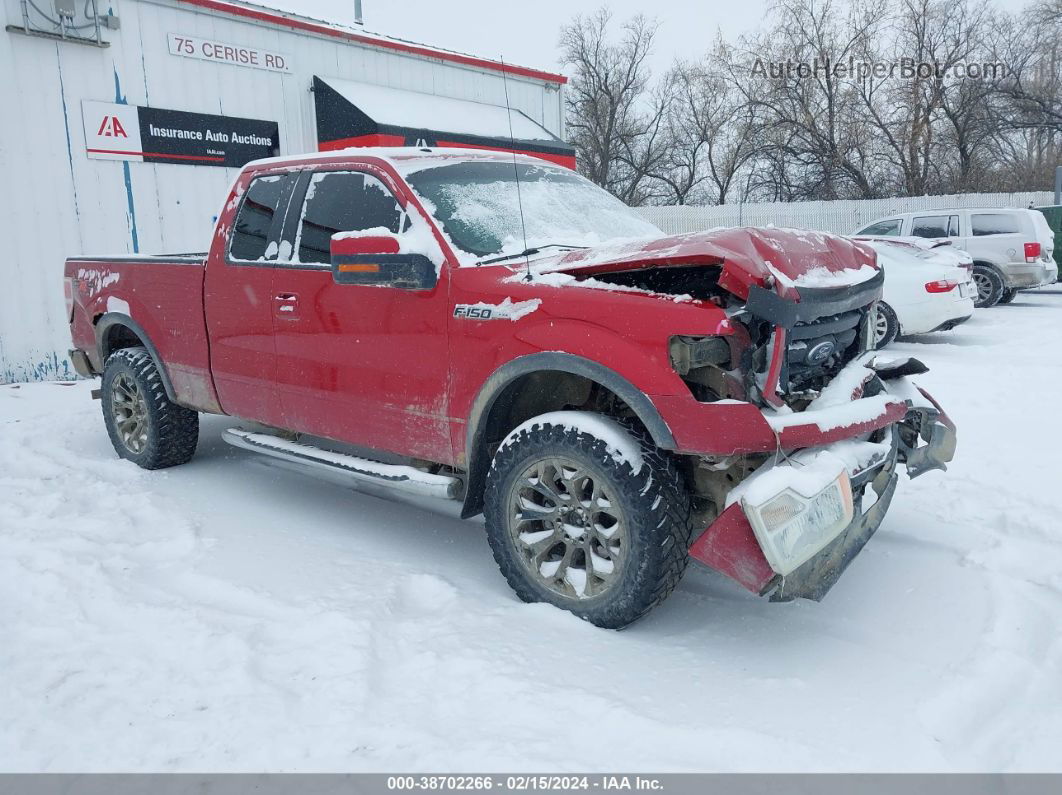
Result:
<point x="689" y="353"/>
<point x="792" y="527"/>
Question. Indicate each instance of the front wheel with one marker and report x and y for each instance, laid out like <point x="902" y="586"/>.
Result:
<point x="886" y="326"/>
<point x="145" y="426"/>
<point x="585" y="514"/>
<point x="989" y="285"/>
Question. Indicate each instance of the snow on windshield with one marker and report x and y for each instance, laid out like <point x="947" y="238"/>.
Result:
<point x="479" y="206"/>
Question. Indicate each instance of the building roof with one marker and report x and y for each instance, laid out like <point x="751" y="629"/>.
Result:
<point x="304" y="24"/>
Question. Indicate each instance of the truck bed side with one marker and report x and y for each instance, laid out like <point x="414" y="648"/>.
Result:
<point x="153" y="301"/>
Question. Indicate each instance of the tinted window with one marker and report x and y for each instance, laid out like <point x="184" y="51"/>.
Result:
<point x="934" y="225"/>
<point x="343" y="201"/>
<point x="250" y="233"/>
<point x="883" y="228"/>
<point x="993" y="224"/>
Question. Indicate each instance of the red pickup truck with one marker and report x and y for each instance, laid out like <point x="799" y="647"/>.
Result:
<point x="498" y="330"/>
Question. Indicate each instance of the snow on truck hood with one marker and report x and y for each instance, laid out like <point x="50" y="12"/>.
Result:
<point x="747" y="255"/>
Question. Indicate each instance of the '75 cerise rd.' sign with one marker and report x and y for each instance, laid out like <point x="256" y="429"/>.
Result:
<point x="223" y="52"/>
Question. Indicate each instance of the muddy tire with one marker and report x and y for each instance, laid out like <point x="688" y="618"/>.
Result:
<point x="575" y="519"/>
<point x="144" y="425"/>
<point x="1008" y="295"/>
<point x="886" y="326"/>
<point x="989" y="285"/>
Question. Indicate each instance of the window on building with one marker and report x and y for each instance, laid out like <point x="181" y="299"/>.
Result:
<point x="883" y="228"/>
<point x="993" y="224"/>
<point x="254" y="221"/>
<point x="343" y="201"/>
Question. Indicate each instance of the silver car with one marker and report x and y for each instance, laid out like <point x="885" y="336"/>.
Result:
<point x="1012" y="248"/>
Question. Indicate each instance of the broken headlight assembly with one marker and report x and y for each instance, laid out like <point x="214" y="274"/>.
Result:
<point x="793" y="527"/>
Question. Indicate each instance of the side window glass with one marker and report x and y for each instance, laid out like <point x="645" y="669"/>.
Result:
<point x="993" y="224"/>
<point x="930" y="226"/>
<point x="953" y="226"/>
<point x="883" y="228"/>
<point x="343" y="201"/>
<point x="251" y="230"/>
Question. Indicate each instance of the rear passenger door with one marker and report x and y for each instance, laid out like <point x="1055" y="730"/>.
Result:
<point x="362" y="364"/>
<point x="935" y="226"/>
<point x="237" y="301"/>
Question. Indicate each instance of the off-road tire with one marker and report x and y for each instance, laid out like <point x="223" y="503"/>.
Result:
<point x="654" y="501"/>
<point x="891" y="324"/>
<point x="171" y="432"/>
<point x="1009" y="294"/>
<point x="989" y="285"/>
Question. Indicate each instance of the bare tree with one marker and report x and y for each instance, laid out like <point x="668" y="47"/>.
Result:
<point x="710" y="134"/>
<point x="969" y="99"/>
<point x="826" y="136"/>
<point x="615" y="121"/>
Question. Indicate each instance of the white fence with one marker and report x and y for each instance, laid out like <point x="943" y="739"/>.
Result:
<point x="841" y="217"/>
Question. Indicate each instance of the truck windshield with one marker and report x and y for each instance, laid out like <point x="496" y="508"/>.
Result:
<point x="478" y="205"/>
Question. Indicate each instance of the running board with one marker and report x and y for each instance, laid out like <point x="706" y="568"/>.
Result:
<point x="358" y="470"/>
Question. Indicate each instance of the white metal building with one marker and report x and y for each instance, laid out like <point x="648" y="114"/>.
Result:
<point x="123" y="128"/>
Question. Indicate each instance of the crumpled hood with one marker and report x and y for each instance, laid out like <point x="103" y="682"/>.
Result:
<point x="748" y="256"/>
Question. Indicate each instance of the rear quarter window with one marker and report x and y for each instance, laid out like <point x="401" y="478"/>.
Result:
<point x="983" y="224"/>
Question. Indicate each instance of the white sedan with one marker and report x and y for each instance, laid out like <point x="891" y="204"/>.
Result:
<point x="926" y="289"/>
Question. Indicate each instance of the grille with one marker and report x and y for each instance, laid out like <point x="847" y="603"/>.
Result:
<point x="819" y="348"/>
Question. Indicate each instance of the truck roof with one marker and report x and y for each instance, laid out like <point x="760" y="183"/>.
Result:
<point x="404" y="159"/>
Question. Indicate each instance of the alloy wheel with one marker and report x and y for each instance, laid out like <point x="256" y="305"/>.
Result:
<point x="984" y="286"/>
<point x="881" y="327"/>
<point x="130" y="412"/>
<point x="569" y="532"/>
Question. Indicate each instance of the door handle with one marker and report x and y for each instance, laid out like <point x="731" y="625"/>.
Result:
<point x="286" y="302"/>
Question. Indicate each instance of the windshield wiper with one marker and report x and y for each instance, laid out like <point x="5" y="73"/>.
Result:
<point x="527" y="252"/>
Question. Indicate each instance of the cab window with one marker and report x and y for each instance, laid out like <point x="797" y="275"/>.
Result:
<point x="343" y="201"/>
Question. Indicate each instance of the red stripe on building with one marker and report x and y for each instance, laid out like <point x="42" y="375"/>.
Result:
<point x="372" y="139"/>
<point x="209" y="158"/>
<point x="386" y="44"/>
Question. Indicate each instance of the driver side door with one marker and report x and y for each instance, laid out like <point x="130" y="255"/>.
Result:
<point x="366" y="365"/>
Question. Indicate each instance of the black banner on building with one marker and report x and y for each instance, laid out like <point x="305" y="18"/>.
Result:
<point x="154" y="135"/>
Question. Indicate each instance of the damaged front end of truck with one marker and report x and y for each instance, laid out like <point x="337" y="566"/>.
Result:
<point x="844" y="419"/>
<point x="797" y="428"/>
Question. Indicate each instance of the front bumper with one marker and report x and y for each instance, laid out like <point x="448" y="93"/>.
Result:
<point x="924" y="439"/>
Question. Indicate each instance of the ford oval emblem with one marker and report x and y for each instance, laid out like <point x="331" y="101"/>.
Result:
<point x="820" y="353"/>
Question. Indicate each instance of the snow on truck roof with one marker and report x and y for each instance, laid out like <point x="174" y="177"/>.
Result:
<point x="404" y="159"/>
<point x="304" y="24"/>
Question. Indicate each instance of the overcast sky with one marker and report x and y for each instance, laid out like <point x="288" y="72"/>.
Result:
<point x="525" y="33"/>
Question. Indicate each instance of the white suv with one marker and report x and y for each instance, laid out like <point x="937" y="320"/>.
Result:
<point x="1011" y="248"/>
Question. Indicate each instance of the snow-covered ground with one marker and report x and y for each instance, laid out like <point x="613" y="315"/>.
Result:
<point x="230" y="615"/>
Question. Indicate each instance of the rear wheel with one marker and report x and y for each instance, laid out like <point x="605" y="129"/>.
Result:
<point x="588" y="516"/>
<point x="989" y="285"/>
<point x="1008" y="295"/>
<point x="886" y="326"/>
<point x="145" y="426"/>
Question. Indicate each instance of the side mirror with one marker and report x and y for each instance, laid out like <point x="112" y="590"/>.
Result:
<point x="377" y="260"/>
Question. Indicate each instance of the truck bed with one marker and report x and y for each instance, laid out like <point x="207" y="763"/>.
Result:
<point x="158" y="298"/>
